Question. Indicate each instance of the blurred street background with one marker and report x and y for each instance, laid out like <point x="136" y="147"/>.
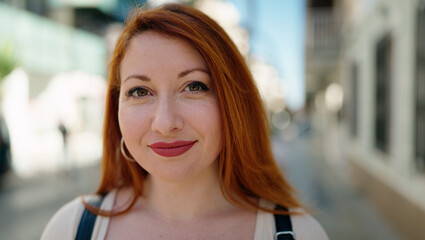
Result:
<point x="343" y="83"/>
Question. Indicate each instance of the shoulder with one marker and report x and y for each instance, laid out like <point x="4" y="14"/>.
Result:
<point x="307" y="227"/>
<point x="304" y="225"/>
<point x="64" y="222"/>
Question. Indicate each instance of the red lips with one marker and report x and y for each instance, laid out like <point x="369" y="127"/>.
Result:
<point x="173" y="149"/>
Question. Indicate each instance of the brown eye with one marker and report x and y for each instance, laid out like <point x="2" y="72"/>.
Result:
<point x="196" y="86"/>
<point x="193" y="87"/>
<point x="138" y="92"/>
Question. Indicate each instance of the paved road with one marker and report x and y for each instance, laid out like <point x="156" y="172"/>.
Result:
<point x="343" y="212"/>
<point x="27" y="205"/>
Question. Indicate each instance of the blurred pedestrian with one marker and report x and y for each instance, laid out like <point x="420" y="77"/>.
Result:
<point x="66" y="160"/>
<point x="5" y="155"/>
<point x="186" y="148"/>
<point x="64" y="133"/>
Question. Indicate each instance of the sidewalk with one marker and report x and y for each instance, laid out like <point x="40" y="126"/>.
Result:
<point x="26" y="205"/>
<point x="343" y="211"/>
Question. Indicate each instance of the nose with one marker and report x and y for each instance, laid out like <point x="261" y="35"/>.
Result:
<point x="166" y="120"/>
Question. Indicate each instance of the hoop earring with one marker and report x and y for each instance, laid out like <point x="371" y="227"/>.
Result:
<point x="125" y="154"/>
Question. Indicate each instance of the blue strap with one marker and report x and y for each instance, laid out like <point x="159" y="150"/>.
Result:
<point x="283" y="226"/>
<point x="85" y="228"/>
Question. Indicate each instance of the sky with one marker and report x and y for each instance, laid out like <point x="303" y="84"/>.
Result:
<point x="277" y="37"/>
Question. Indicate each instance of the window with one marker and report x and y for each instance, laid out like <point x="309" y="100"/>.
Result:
<point x="37" y="6"/>
<point x="420" y="90"/>
<point x="320" y="3"/>
<point x="382" y="94"/>
<point x="354" y="91"/>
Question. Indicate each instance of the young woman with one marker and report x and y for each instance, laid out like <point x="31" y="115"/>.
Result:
<point x="186" y="147"/>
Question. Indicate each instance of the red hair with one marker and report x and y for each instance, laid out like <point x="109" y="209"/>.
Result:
<point x="247" y="168"/>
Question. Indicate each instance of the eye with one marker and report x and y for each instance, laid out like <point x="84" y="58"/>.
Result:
<point x="196" y="87"/>
<point x="138" y="92"/>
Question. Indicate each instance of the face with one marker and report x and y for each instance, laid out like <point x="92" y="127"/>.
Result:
<point x="168" y="111"/>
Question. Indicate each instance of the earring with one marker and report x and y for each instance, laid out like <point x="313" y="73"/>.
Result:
<point x="125" y="154"/>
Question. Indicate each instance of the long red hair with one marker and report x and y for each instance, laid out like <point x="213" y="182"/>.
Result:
<point x="247" y="168"/>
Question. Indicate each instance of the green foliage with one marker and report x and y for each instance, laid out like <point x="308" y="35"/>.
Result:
<point x="190" y="2"/>
<point x="7" y="59"/>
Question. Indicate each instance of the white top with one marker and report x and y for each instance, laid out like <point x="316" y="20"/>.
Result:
<point x="64" y="223"/>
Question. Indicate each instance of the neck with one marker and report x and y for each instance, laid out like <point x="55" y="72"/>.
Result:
<point x="186" y="200"/>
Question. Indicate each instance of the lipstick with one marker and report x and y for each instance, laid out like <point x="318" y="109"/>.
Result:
<point x="173" y="149"/>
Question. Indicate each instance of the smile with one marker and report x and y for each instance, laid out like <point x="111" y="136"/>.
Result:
<point x="173" y="149"/>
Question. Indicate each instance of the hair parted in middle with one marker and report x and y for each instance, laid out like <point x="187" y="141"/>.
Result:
<point x="247" y="169"/>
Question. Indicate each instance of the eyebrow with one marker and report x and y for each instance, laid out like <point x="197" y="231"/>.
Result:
<point x="184" y="73"/>
<point x="180" y="75"/>
<point x="138" y="76"/>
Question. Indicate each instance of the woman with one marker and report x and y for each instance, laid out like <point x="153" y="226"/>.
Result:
<point x="186" y="147"/>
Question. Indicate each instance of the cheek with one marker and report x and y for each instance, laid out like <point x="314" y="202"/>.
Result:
<point x="214" y="131"/>
<point x="217" y="131"/>
<point x="207" y="119"/>
<point x="132" y="121"/>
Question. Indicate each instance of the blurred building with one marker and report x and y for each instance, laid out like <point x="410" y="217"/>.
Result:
<point x="62" y="59"/>
<point x="323" y="25"/>
<point x="378" y="57"/>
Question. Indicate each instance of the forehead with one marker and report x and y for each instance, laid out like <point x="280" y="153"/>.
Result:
<point x="150" y="50"/>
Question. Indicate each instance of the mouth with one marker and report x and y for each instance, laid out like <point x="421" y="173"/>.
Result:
<point x="173" y="149"/>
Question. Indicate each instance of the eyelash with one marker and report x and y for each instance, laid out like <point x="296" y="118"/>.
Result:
<point x="202" y="88"/>
<point x="131" y="92"/>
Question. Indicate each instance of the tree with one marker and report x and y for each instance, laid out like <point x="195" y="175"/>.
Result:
<point x="7" y="59"/>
